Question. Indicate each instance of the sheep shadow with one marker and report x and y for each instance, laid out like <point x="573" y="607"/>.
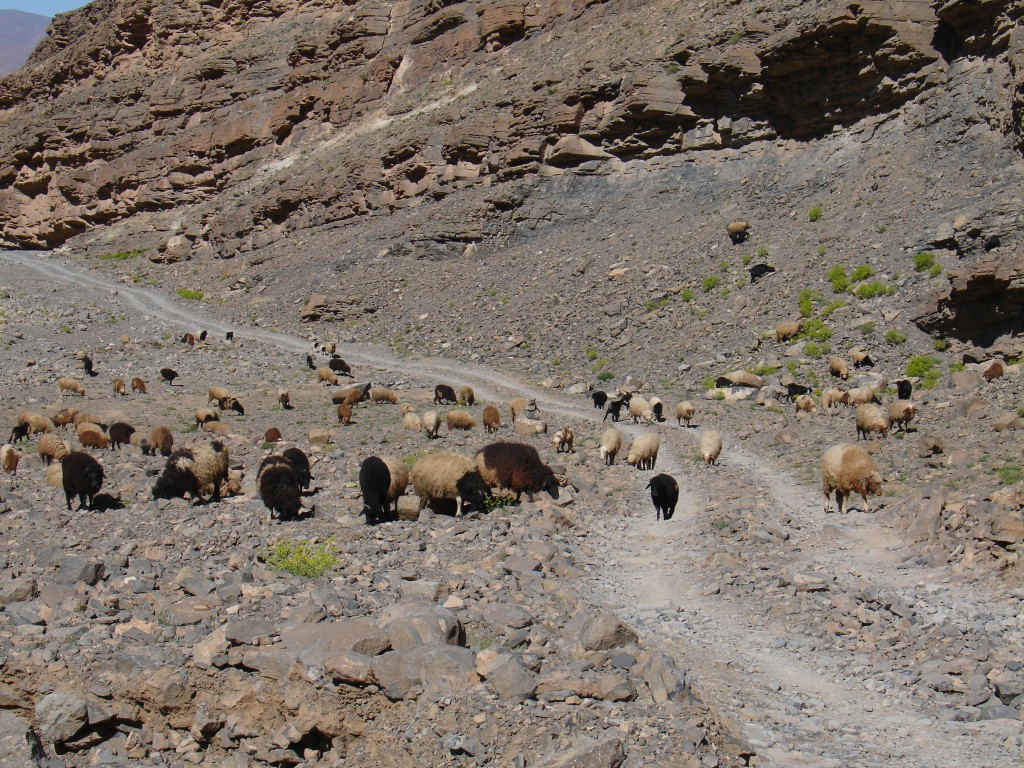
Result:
<point x="104" y="502"/>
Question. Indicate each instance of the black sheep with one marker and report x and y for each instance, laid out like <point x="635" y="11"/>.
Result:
<point x="309" y="363"/>
<point x="664" y="495"/>
<point x="232" y="404"/>
<point x="795" y="390"/>
<point x="87" y="365"/>
<point x="19" y="433"/>
<point x="82" y="476"/>
<point x="374" y="482"/>
<point x="516" y="466"/>
<point x="599" y="398"/>
<point x="300" y="463"/>
<point x="168" y="375"/>
<point x="473" y="491"/>
<point x="279" y="487"/>
<point x="658" y="409"/>
<point x="229" y="336"/>
<point x="614" y="408"/>
<point x="120" y="434"/>
<point x="338" y="365"/>
<point x="903" y="389"/>
<point x="760" y="270"/>
<point x="444" y="394"/>
<point x="202" y="335"/>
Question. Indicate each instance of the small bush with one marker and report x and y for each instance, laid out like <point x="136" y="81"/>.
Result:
<point x="941" y="345"/>
<point x="605" y="376"/>
<point x="747" y="258"/>
<point x="655" y="304"/>
<point x="762" y="252"/>
<point x="837" y="276"/>
<point x="816" y="330"/>
<point x="1010" y="473"/>
<point x="832" y="307"/>
<point x="934" y="270"/>
<point x="709" y="383"/>
<point x="492" y="503"/>
<point x="686" y="295"/>
<point x="894" y="338"/>
<point x="815" y="213"/>
<point x="710" y="283"/>
<point x="867" y="329"/>
<point x="924" y="261"/>
<point x="873" y="290"/>
<point x="812" y="349"/>
<point x="806" y="301"/>
<point x="723" y="267"/>
<point x="301" y="557"/>
<point x="920" y="365"/>
<point x="863" y="272"/>
<point x="591" y="354"/>
<point x="121" y="255"/>
<point x="191" y="295"/>
<point x="763" y="370"/>
<point x="956" y="367"/>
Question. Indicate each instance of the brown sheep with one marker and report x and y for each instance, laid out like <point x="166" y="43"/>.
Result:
<point x="214" y="427"/>
<point x="326" y="376"/>
<point x="492" y="419"/>
<point x="138" y="385"/>
<point x="273" y="435"/>
<point x="467" y="396"/>
<point x="517" y="467"/>
<point x="900" y="413"/>
<point x="563" y="439"/>
<point x="870" y="418"/>
<point x="91" y="436"/>
<point x="382" y="395"/>
<point x="837" y="367"/>
<point x="345" y="413"/>
<point x="848" y="469"/>
<point x="805" y="404"/>
<point x="9" y="458"/>
<point x="67" y="384"/>
<point x="204" y="415"/>
<point x="459" y="419"/>
<point x="284" y="399"/>
<point x="119" y="387"/>
<point x="51" y="447"/>
<point x="784" y="331"/>
<point x="994" y="370"/>
<point x="216" y="394"/>
<point x="353" y="397"/>
<point x="65" y="416"/>
<point x="517" y="407"/>
<point x="36" y="423"/>
<point x="161" y="439"/>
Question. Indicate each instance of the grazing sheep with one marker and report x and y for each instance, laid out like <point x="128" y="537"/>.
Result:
<point x="338" y="365"/>
<point x="382" y="395"/>
<point x="615" y="408"/>
<point x="563" y="439"/>
<point x="279" y="488"/>
<point x="993" y="370"/>
<point x="138" y="385"/>
<point x="55" y="476"/>
<point x="657" y="408"/>
<point x="784" y="331"/>
<point x="805" y="404"/>
<point x="120" y="434"/>
<point x="204" y="415"/>
<point x="861" y="359"/>
<point x="19" y="433"/>
<point x="737" y="231"/>
<point x="449" y="476"/>
<point x="837" y="367"/>
<point x="87" y="366"/>
<point x="215" y="428"/>
<point x="611" y="444"/>
<point x="900" y="413"/>
<point x="639" y="408"/>
<point x="847" y="469"/>
<point x="9" y="458"/>
<point x="65" y="416"/>
<point x="492" y="419"/>
<point x="526" y="426"/>
<point x="444" y="394"/>
<point x="431" y="423"/>
<point x="710" y="446"/>
<point x="326" y="376"/>
<point x="189" y="470"/>
<point x="599" y="398"/>
<point x="231" y="403"/>
<point x="904" y="389"/>
<point x="517" y="467"/>
<point x="189" y="339"/>
<point x="410" y="419"/>
<point x="664" y="496"/>
<point x="83" y="417"/>
<point x="833" y="396"/>
<point x="168" y="375"/>
<point x="229" y="336"/>
<point x="643" y="453"/>
<point x="459" y="419"/>
<point x="794" y="390"/>
<point x="300" y="463"/>
<point x="870" y="418"/>
<point x="756" y="273"/>
<point x="91" y="436"/>
<point x="161" y="439"/>
<point x="330" y="348"/>
<point x="685" y="412"/>
<point x="36" y="423"/>
<point x="861" y="395"/>
<point x="118" y="386"/>
<point x="467" y="396"/>
<point x="353" y="396"/>
<point x="399" y="482"/>
<point x="216" y="394"/>
<point x="284" y="399"/>
<point x="273" y="435"/>
<point x="81" y="476"/>
<point x="52" y="448"/>
<point x="516" y="407"/>
<point x="344" y="414"/>
<point x="201" y="335"/>
<point x="374" y="483"/>
<point x="309" y="363"/>
<point x="67" y="384"/>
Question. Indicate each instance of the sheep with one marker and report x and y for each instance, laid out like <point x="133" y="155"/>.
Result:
<point x="329" y="348"/>
<point x="563" y="440"/>
<point x="189" y="470"/>
<point x="614" y="409"/>
<point x="229" y="336"/>
<point x="870" y="418"/>
<point x="459" y="419"/>
<point x="900" y="413"/>
<point x="848" y="468"/>
<point x="517" y="467"/>
<point x="639" y="408"/>
<point x="300" y="462"/>
<point x="710" y="446"/>
<point x="65" y="416"/>
<point x="449" y="476"/>
<point x="36" y="423"/>
<point x="837" y="367"/>
<point x="466" y="395"/>
<point x="215" y="428"/>
<point x="161" y="439"/>
<point x="685" y="412"/>
<point x="861" y="359"/>
<point x="232" y="403"/>
<point x="91" y="436"/>
<point x="309" y="363"/>
<point x="861" y="395"/>
<point x="833" y="396"/>
<point x="599" y="398"/>
<point x="382" y="395"/>
<point x="326" y="376"/>
<point x="737" y="231"/>
<point x="120" y="434"/>
<point x="805" y="404"/>
<point x="204" y="415"/>
<point x="67" y="384"/>
<point x="794" y="390"/>
<point x="118" y="386"/>
<point x="341" y="396"/>
<point x="784" y="331"/>
<point x="279" y="488"/>
<point x="611" y="444"/>
<point x="81" y="476"/>
<point x="19" y="433"/>
<point x="664" y="496"/>
<point x="525" y="426"/>
<point x="993" y="370"/>
<point x="399" y="481"/>
<point x="431" y="423"/>
<point x="216" y="394"/>
<point x="168" y="375"/>
<point x="657" y="408"/>
<point x="516" y="407"/>
<point x="82" y="417"/>
<point x="410" y="419"/>
<point x="904" y="389"/>
<point x="273" y="435"/>
<point x="51" y="447"/>
<point x="444" y="394"/>
<point x="344" y="414"/>
<point x="756" y="273"/>
<point x="492" y="419"/>
<point x="338" y="365"/>
<point x="138" y="385"/>
<point x="9" y="458"/>
<point x="643" y="453"/>
<point x="189" y="338"/>
<point x="284" y="399"/>
<point x="87" y="366"/>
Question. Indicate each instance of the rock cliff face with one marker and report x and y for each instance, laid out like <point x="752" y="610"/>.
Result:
<point x="19" y="34"/>
<point x="253" y="119"/>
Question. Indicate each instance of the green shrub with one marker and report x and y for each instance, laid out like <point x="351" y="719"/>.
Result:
<point x="747" y="258"/>
<point x="863" y="272"/>
<point x="867" y="329"/>
<point x="815" y="213"/>
<point x="709" y="383"/>
<point x="816" y="330"/>
<point x="920" y="365"/>
<point x="191" y="295"/>
<point x="956" y="367"/>
<point x="723" y="267"/>
<point x="941" y="345"/>
<point x="894" y="337"/>
<point x="121" y="255"/>
<point x="763" y="370"/>
<point x="605" y="376"/>
<point x="492" y="503"/>
<point x="591" y="354"/>
<point x="653" y="304"/>
<point x="686" y="295"/>
<point x="762" y="252"/>
<point x="837" y="276"/>
<point x="873" y="290"/>
<point x="832" y="307"/>
<point x="934" y="270"/>
<point x="710" y="283"/>
<point x="806" y="301"/>
<point x="812" y="349"/>
<point x="1010" y="473"/>
<point x="301" y="557"/>
<point x="924" y="261"/>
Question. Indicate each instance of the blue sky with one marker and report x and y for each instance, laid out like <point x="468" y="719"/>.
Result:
<point x="42" y="7"/>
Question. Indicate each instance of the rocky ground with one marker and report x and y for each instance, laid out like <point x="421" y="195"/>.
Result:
<point x="753" y="628"/>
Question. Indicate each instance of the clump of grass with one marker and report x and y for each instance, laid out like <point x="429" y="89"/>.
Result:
<point x="722" y="523"/>
<point x="591" y="354"/>
<point x="763" y="370"/>
<point x="653" y="304"/>
<point x="747" y="258"/>
<point x="863" y="272"/>
<point x="894" y="338"/>
<point x="686" y="295"/>
<point x="121" y="255"/>
<point x="492" y="503"/>
<point x="924" y="261"/>
<point x="956" y="367"/>
<point x="832" y="307"/>
<point x="190" y="294"/>
<point x="710" y="283"/>
<point x="866" y="329"/>
<point x="815" y="213"/>
<point x="816" y="330"/>
<point x="813" y="349"/>
<point x="806" y="301"/>
<point x="941" y="345"/>
<point x="605" y="376"/>
<point x="1009" y="474"/>
<point x="839" y="279"/>
<point x="934" y="270"/>
<point x="874" y="289"/>
<point x="301" y="557"/>
<point x="925" y="368"/>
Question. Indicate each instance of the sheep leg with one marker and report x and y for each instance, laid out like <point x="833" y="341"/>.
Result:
<point x="840" y="501"/>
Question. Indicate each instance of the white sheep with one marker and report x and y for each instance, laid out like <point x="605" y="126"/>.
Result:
<point x="643" y="453"/>
<point x="431" y="423"/>
<point x="52" y="448"/>
<point x="448" y="476"/>
<point x="848" y="468"/>
<point x="870" y="418"/>
<point x="805" y="404"/>
<point x="639" y="408"/>
<point x="399" y="480"/>
<point x="710" y="446"/>
<point x="611" y="444"/>
<point x="410" y="419"/>
<point x="901" y="412"/>
<point x="685" y="412"/>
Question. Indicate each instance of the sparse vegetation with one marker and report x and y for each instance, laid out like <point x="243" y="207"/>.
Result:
<point x="710" y="283"/>
<point x="686" y="295"/>
<point x="301" y="557"/>
<point x="121" y="255"/>
<point x="812" y="349"/>
<point x="941" y="345"/>
<point x="924" y="261"/>
<point x="763" y="369"/>
<point x="605" y="376"/>
<point x="747" y="258"/>
<point x="591" y="354"/>
<point x="861" y="273"/>
<point x="894" y="338"/>
<point x="816" y="330"/>
<point x="190" y="294"/>
<point x="867" y="328"/>
<point x="654" y="304"/>
<point x="1009" y="474"/>
<point x="956" y="367"/>
<point x="832" y="307"/>
<point x="806" y="301"/>
<point x="815" y="213"/>
<point x="839" y="279"/>
<point x="873" y="290"/>
<point x="492" y="503"/>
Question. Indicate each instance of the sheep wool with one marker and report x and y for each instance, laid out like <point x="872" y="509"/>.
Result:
<point x="216" y="394"/>
<point x="445" y="475"/>
<point x="399" y="481"/>
<point x="81" y="476"/>
<point x="188" y="470"/>
<point x="67" y="384"/>
<point x="138" y="385"/>
<point x="459" y="419"/>
<point x="784" y="331"/>
<point x="517" y="406"/>
<point x="710" y="446"/>
<point x="611" y="444"/>
<point x="431" y="423"/>
<point x="900" y="413"/>
<point x="563" y="439"/>
<point x="382" y="395"/>
<point x="345" y="413"/>
<point x="52" y="448"/>
<point x="643" y="453"/>
<point x="119" y="387"/>
<point x="805" y="404"/>
<point x="848" y="469"/>
<point x="861" y="395"/>
<point x="870" y="418"/>
<point x="411" y="421"/>
<point x="837" y="367"/>
<point x="161" y="439"/>
<point x="517" y="467"/>
<point x="684" y="412"/>
<point x="492" y="419"/>
<point x="91" y="436"/>
<point x="639" y="408"/>
<point x="526" y="426"/>
<point x="467" y="396"/>
<point x="279" y="488"/>
<point x="326" y="376"/>
<point x="9" y="458"/>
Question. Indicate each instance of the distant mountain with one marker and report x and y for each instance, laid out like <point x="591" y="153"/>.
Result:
<point x="20" y="33"/>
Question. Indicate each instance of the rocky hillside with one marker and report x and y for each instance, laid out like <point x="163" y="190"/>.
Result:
<point x="20" y="33"/>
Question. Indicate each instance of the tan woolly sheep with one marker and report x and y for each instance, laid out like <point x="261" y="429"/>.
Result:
<point x="832" y="396"/>
<point x="639" y="408"/>
<point x="9" y="458"/>
<point x="382" y="395"/>
<point x="399" y="481"/>
<point x="492" y="419"/>
<point x="119" y="387"/>
<point x="526" y="426"/>
<point x="204" y="415"/>
<point x="431" y="423"/>
<point x="448" y="476"/>
<point x="837" y="367"/>
<point x="411" y="421"/>
<point x="737" y="231"/>
<point x="643" y="453"/>
<point x="870" y="418"/>
<point x="284" y="399"/>
<point x="466" y="396"/>
<point x="214" y="427"/>
<point x="784" y="331"/>
<point x="65" y="416"/>
<point x="861" y="395"/>
<point x="138" y="385"/>
<point x="326" y="376"/>
<point x="710" y="446"/>
<point x="684" y="412"/>
<point x="517" y="406"/>
<point x="216" y="394"/>
<point x="459" y="419"/>
<point x="37" y="423"/>
<point x="563" y="439"/>
<point x="51" y="447"/>
<point x="805" y="404"/>
<point x="67" y="384"/>
<point x="345" y="413"/>
<point x="848" y="469"/>
<point x="900" y="413"/>
<point x="611" y="444"/>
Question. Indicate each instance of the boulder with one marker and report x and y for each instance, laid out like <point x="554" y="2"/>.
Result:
<point x="605" y="631"/>
<point x="400" y="673"/>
